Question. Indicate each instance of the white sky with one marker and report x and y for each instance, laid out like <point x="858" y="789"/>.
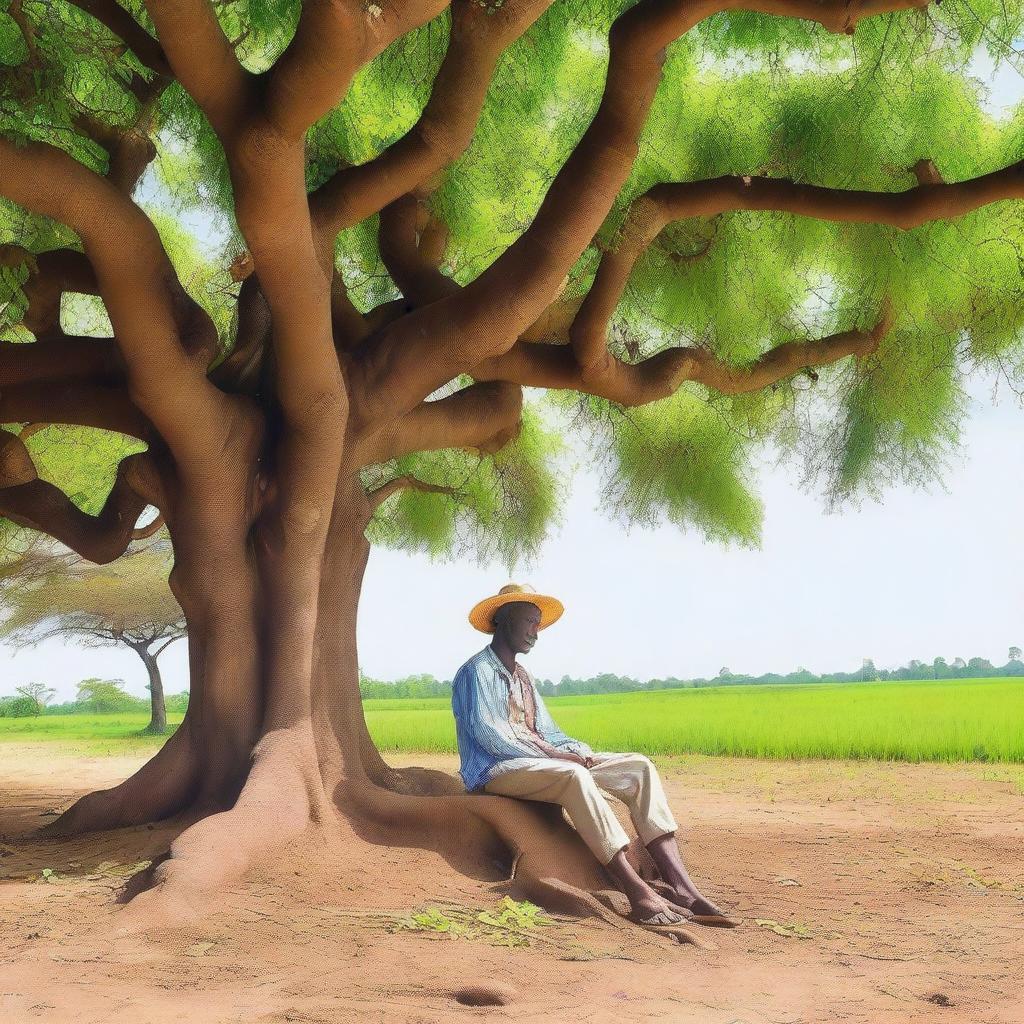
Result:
<point x="915" y="576"/>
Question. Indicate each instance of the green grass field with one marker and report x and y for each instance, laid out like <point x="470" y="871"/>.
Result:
<point x="90" y="735"/>
<point x="963" y="720"/>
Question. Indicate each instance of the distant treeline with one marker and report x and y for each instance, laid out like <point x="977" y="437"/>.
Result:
<point x="108" y="695"/>
<point x="422" y="686"/>
<point x="95" y="696"/>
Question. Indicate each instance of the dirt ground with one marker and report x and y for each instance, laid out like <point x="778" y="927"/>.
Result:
<point x="869" y="892"/>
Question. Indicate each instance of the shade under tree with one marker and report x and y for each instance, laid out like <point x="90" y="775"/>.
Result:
<point x="683" y="229"/>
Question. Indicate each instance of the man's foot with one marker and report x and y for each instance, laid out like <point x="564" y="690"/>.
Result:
<point x="700" y="908"/>
<point x="656" y="910"/>
<point x="658" y="917"/>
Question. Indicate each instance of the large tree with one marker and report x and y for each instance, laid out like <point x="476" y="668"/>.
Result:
<point x="326" y="246"/>
<point x="46" y="594"/>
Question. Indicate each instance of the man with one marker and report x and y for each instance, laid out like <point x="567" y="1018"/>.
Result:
<point x="510" y="745"/>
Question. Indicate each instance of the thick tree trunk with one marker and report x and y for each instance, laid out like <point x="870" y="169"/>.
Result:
<point x="158" y="708"/>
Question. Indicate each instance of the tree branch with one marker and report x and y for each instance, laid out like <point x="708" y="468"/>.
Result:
<point x="75" y="403"/>
<point x="128" y="30"/>
<point x="60" y="357"/>
<point x="378" y="495"/>
<point x="417" y="354"/>
<point x="51" y="274"/>
<point x="142" y="532"/>
<point x="148" y="308"/>
<point x="203" y="60"/>
<point x="412" y="269"/>
<point x="663" y="204"/>
<point x="334" y="39"/>
<point x="479" y="35"/>
<point x="631" y="384"/>
<point x="130" y="150"/>
<point x="483" y="417"/>
<point x="163" y="647"/>
<point x="42" y="506"/>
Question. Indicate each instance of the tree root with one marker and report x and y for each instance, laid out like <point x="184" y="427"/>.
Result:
<point x="610" y="905"/>
<point x="282" y="799"/>
<point x="162" y="787"/>
<point x="530" y="845"/>
<point x="551" y="865"/>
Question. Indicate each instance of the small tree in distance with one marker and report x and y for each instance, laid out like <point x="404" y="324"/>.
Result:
<point x="52" y="594"/>
<point x="39" y="693"/>
<point x="104" y="695"/>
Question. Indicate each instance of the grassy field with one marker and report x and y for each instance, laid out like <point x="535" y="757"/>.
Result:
<point x="962" y="720"/>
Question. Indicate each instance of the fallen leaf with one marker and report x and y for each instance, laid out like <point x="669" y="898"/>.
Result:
<point x="790" y="931"/>
<point x="199" y="949"/>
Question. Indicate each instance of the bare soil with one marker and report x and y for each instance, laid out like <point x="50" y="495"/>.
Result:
<point x="885" y="892"/>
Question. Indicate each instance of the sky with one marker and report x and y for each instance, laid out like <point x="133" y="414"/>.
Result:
<point x="918" y="575"/>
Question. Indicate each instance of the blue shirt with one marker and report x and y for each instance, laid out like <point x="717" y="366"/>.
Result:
<point x="489" y="723"/>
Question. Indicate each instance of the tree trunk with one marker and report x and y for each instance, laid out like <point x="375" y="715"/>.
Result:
<point x="158" y="708"/>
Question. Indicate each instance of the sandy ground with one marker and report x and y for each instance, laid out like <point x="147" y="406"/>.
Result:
<point x="898" y="891"/>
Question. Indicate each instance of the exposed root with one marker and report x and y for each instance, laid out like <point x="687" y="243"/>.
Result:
<point x="551" y="865"/>
<point x="281" y="800"/>
<point x="529" y="844"/>
<point x="159" y="789"/>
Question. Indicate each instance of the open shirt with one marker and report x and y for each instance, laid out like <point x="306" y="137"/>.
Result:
<point x="499" y="716"/>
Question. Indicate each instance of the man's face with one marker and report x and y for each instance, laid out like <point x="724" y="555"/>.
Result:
<point x="518" y="624"/>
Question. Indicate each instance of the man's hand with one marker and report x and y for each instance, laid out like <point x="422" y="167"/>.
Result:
<point x="586" y="760"/>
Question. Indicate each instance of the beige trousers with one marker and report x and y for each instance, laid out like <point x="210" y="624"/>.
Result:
<point x="630" y="777"/>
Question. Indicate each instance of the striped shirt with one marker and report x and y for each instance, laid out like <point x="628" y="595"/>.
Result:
<point x="499" y="716"/>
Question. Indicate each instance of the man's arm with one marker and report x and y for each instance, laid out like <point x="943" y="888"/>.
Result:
<point x="547" y="727"/>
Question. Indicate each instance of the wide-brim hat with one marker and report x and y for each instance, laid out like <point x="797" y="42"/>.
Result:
<point x="482" y="615"/>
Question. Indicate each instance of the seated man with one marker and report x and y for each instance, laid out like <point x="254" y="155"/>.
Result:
<point x="510" y="745"/>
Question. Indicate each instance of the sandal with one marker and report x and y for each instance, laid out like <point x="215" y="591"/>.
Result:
<point x="710" y="920"/>
<point x="662" y="920"/>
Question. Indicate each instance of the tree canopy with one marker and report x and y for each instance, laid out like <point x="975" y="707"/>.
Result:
<point x="47" y="593"/>
<point x="724" y="268"/>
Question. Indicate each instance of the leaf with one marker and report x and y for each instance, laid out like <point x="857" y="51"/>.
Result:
<point x="199" y="949"/>
<point x="794" y="930"/>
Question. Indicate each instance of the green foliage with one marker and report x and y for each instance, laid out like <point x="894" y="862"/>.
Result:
<point x="38" y="693"/>
<point x="46" y="593"/>
<point x="89" y="735"/>
<point x="928" y="720"/>
<point x="680" y="458"/>
<point x="18" y="707"/>
<point x="501" y="507"/>
<point x="742" y="93"/>
<point x="176" y="703"/>
<point x="511" y="923"/>
<point x="105" y="695"/>
<point x="416" y="687"/>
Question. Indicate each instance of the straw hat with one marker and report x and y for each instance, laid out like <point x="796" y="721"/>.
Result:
<point x="482" y="615"/>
